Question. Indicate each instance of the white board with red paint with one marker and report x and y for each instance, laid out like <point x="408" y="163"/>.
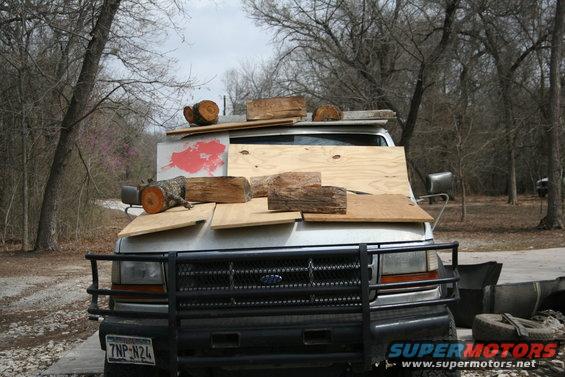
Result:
<point x="194" y="156"/>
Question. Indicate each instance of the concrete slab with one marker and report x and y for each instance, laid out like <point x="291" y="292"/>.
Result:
<point x="519" y="266"/>
<point x="87" y="359"/>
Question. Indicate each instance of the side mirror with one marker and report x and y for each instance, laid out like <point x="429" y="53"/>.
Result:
<point x="440" y="183"/>
<point x="130" y="195"/>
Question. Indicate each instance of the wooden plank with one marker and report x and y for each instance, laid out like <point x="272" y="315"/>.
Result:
<point x="233" y="126"/>
<point x="276" y="107"/>
<point x="173" y="218"/>
<point x="252" y="213"/>
<point x="260" y="186"/>
<point x="218" y="189"/>
<point x="312" y="199"/>
<point x="375" y="208"/>
<point x="373" y="170"/>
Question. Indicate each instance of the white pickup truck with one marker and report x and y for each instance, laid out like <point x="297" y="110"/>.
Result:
<point x="300" y="298"/>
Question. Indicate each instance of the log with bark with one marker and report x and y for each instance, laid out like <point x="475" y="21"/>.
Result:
<point x="188" y="114"/>
<point x="159" y="196"/>
<point x="218" y="189"/>
<point x="327" y="112"/>
<point x="203" y="113"/>
<point x="310" y="199"/>
<point x="276" y="107"/>
<point x="260" y="186"/>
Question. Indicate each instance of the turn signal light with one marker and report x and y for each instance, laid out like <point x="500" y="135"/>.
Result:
<point x="153" y="288"/>
<point x="430" y="275"/>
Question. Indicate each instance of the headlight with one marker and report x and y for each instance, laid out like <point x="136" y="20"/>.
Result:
<point x="137" y="272"/>
<point x="404" y="263"/>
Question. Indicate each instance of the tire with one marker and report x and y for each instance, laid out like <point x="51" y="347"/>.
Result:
<point x="492" y="327"/>
<point x="452" y="335"/>
<point x="131" y="370"/>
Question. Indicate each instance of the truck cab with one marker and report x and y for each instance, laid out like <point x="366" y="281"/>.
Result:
<point x="298" y="298"/>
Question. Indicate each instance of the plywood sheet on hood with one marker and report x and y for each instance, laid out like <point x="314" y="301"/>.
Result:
<point x="177" y="217"/>
<point x="367" y="169"/>
<point x="387" y="208"/>
<point x="252" y="213"/>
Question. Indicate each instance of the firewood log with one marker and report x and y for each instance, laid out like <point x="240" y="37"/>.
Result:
<point x="310" y="199"/>
<point x="188" y="114"/>
<point x="159" y="196"/>
<point x="205" y="113"/>
<point x="260" y="186"/>
<point x="218" y="189"/>
<point x="327" y="112"/>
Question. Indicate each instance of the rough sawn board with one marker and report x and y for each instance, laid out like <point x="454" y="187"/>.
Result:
<point x="376" y="208"/>
<point x="372" y="170"/>
<point x="177" y="217"/>
<point x="233" y="126"/>
<point x="252" y="213"/>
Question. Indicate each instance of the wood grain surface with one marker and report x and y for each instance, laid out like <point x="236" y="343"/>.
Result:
<point x="372" y="170"/>
<point x="233" y="126"/>
<point x="252" y="213"/>
<point x="385" y="208"/>
<point x="173" y="218"/>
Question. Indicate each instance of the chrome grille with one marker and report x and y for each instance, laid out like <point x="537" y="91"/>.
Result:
<point x="324" y="272"/>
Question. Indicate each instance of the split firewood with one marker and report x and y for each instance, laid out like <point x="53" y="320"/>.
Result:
<point x="260" y="186"/>
<point x="327" y="112"/>
<point x="218" y="189"/>
<point x="159" y="196"/>
<point x="310" y="199"/>
<point x="276" y="107"/>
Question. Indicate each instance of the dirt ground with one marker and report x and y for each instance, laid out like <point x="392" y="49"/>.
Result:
<point x="43" y="298"/>
<point x="43" y="301"/>
<point x="492" y="224"/>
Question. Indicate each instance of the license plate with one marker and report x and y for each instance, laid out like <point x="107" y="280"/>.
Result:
<point x="129" y="350"/>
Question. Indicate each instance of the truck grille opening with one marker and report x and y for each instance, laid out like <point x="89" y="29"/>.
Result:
<point x="272" y="275"/>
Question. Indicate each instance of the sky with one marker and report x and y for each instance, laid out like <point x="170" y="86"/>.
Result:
<point x="218" y="36"/>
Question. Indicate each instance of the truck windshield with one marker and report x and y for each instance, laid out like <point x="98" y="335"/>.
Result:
<point x="314" y="139"/>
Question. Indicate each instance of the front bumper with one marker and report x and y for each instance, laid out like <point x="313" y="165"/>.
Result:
<point x="355" y="334"/>
<point x="279" y="340"/>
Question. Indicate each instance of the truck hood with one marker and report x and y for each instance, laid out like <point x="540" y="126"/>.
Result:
<point x="201" y="237"/>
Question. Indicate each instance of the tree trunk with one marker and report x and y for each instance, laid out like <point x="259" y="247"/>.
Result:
<point x="47" y="231"/>
<point x="505" y="80"/>
<point x="554" y="217"/>
<point x="424" y="72"/>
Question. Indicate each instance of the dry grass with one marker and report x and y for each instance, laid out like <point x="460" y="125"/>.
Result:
<point x="492" y="224"/>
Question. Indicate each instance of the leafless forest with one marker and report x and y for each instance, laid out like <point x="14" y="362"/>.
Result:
<point x="476" y="85"/>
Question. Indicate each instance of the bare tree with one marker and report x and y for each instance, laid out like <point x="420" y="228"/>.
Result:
<point x="554" y="217"/>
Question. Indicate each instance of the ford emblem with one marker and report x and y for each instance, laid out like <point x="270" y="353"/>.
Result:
<point x="271" y="279"/>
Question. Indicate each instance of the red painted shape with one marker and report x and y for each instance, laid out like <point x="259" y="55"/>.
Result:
<point x="203" y="155"/>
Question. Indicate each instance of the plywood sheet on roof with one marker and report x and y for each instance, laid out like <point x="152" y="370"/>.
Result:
<point x="233" y="126"/>
<point x="387" y="208"/>
<point x="173" y="218"/>
<point x="252" y="213"/>
<point x="372" y="170"/>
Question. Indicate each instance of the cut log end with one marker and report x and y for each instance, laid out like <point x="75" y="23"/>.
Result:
<point x="327" y="112"/>
<point x="153" y="199"/>
<point x="188" y="114"/>
<point x="206" y="112"/>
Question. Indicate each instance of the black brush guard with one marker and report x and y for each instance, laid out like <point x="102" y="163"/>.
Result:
<point x="366" y="290"/>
